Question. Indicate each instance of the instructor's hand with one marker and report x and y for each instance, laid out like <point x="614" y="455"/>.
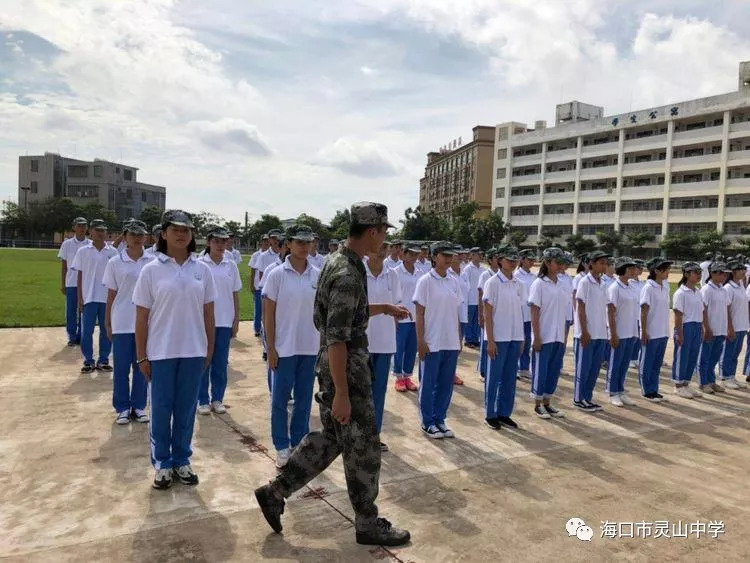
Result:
<point x="342" y="408"/>
<point x="398" y="311"/>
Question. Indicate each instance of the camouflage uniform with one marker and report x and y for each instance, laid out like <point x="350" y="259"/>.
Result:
<point x="341" y="315"/>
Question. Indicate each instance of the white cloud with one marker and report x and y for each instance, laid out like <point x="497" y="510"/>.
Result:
<point x="367" y="71"/>
<point x="231" y="135"/>
<point x="365" y="159"/>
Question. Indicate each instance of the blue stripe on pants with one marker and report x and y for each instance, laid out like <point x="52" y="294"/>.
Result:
<point x="125" y="397"/>
<point x="72" y="316"/>
<point x="500" y="385"/>
<point x="471" y="335"/>
<point x="686" y="356"/>
<point x="588" y="363"/>
<point x="545" y="369"/>
<point x="257" y="311"/>
<point x="292" y="373"/>
<point x="436" y="387"/>
<point x="174" y="392"/>
<point x="381" y="365"/>
<point x="709" y="358"/>
<point x="406" y="349"/>
<point x="731" y="355"/>
<point x="525" y="360"/>
<point x="216" y="372"/>
<point x="652" y="357"/>
<point x="619" y="361"/>
<point x="93" y="312"/>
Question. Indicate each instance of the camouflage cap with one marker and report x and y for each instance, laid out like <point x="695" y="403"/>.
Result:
<point x="442" y="247"/>
<point x="176" y="217"/>
<point x="264" y="236"/>
<point x="299" y="232"/>
<point x="569" y="259"/>
<point x="659" y="263"/>
<point x="624" y="262"/>
<point x="475" y="249"/>
<point x="369" y="214"/>
<point x="98" y="225"/>
<point x="554" y="253"/>
<point x="598" y="255"/>
<point x="274" y="233"/>
<point x="136" y="227"/>
<point x="218" y="232"/>
<point x="735" y="265"/>
<point x="413" y="249"/>
<point x="527" y="253"/>
<point x="691" y="267"/>
<point x="156" y="229"/>
<point x="315" y="236"/>
<point x="508" y="252"/>
<point x="640" y="263"/>
<point x="491" y="253"/>
<point x="332" y="242"/>
<point x="80" y="221"/>
<point x="718" y="267"/>
<point x="395" y="242"/>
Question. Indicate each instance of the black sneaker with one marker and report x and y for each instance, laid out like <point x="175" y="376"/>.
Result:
<point x="383" y="447"/>
<point x="658" y="395"/>
<point x="257" y="335"/>
<point x="163" y="479"/>
<point x="87" y="368"/>
<point x="493" y="423"/>
<point x="582" y="406"/>
<point x="383" y="533"/>
<point x="186" y="475"/>
<point x="265" y="356"/>
<point x="71" y="343"/>
<point x="103" y="367"/>
<point x="507" y="421"/>
<point x="593" y="407"/>
<point x="271" y="506"/>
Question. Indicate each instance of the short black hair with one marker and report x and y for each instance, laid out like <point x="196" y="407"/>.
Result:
<point x="161" y="244"/>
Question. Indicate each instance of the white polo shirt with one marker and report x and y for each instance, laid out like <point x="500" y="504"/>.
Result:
<point x="91" y="263"/>
<point x="553" y="301"/>
<point x="690" y="303"/>
<point x="226" y="283"/>
<point x="483" y="277"/>
<point x="508" y="298"/>
<point x="472" y="274"/>
<point x="626" y="299"/>
<point x="705" y="274"/>
<point x="717" y="302"/>
<point x="593" y="295"/>
<point x="463" y="308"/>
<point x="294" y="295"/>
<point x="253" y="263"/>
<point x="567" y="283"/>
<point x="738" y="306"/>
<point x="423" y="267"/>
<point x="656" y="296"/>
<point x="151" y="250"/>
<point x="390" y="263"/>
<point x="121" y="275"/>
<point x="407" y="283"/>
<point x="316" y="260"/>
<point x="264" y="260"/>
<point x="577" y="279"/>
<point x="381" y="329"/>
<point x="441" y="297"/>
<point x="234" y="255"/>
<point x="526" y="278"/>
<point x="67" y="252"/>
<point x="175" y="295"/>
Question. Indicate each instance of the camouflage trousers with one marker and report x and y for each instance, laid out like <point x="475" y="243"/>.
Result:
<point x="358" y="442"/>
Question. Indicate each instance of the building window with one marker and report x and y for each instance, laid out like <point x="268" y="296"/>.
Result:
<point x="693" y="202"/>
<point x="642" y="205"/>
<point x="502" y="134"/>
<point x="499" y="192"/>
<point x="144" y="197"/>
<point x="97" y="170"/>
<point x="597" y="207"/>
<point x="524" y="210"/>
<point x="650" y="228"/>
<point x="558" y="209"/>
<point x="35" y="165"/>
<point x="500" y="173"/>
<point x="593" y="229"/>
<point x="731" y="200"/>
<point x="34" y="187"/>
<point x="502" y="154"/>
<point x="683" y="228"/>
<point x="78" y="171"/>
<point x="736" y="228"/>
<point x="83" y="191"/>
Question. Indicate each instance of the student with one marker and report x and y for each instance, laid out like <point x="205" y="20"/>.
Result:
<point x="705" y="275"/>
<point x="120" y="276"/>
<point x="292" y="340"/>
<point x="227" y="284"/>
<point x="155" y="235"/>
<point x="236" y="254"/>
<point x="504" y="298"/>
<point x="463" y="254"/>
<point x="566" y="281"/>
<point x="406" y="331"/>
<point x="90" y="262"/>
<point x="472" y="272"/>
<point x="254" y="284"/>
<point x="623" y="310"/>
<point x="738" y="312"/>
<point x="689" y="319"/>
<point x="590" y="332"/>
<point x="463" y="307"/>
<point x="69" y="279"/>
<point x="549" y="301"/>
<point x="437" y="297"/>
<point x="382" y="287"/>
<point x="174" y="338"/>
<point x="333" y="246"/>
<point x="394" y="258"/>
<point x="269" y="258"/>
<point x="654" y="327"/>
<point x="283" y="253"/>
<point x="637" y="284"/>
<point x="526" y="277"/>
<point x="718" y="328"/>
<point x="314" y="257"/>
<point x="423" y="263"/>
<point x="483" y="277"/>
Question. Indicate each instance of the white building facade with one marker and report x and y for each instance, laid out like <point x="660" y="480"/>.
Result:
<point x="683" y="167"/>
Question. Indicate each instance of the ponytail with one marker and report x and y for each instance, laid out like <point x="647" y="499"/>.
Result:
<point x="543" y="269"/>
<point x="682" y="281"/>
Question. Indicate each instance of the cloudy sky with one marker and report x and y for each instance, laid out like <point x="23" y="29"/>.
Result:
<point x="288" y="106"/>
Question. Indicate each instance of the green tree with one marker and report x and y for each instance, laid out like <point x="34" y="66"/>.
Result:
<point x="463" y="221"/>
<point x="489" y="231"/>
<point x="578" y="244"/>
<point x="205" y="220"/>
<point x="516" y="237"/>
<point x="712" y="241"/>
<point x="610" y="242"/>
<point x="635" y="240"/>
<point x="744" y="245"/>
<point x="548" y="237"/>
<point x="340" y="224"/>
<point x="14" y="218"/>
<point x="95" y="210"/>
<point x="315" y="224"/>
<point x="233" y="227"/>
<point x="261" y="227"/>
<point x="419" y="225"/>
<point x="151" y="215"/>
<point x="681" y="246"/>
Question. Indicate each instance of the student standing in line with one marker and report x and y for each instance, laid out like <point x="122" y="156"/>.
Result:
<point x="174" y="337"/>
<point x="283" y="253"/>
<point x="566" y="281"/>
<point x="235" y="254"/>
<point x="227" y="284"/>
<point x="549" y="301"/>
<point x="315" y="258"/>
<point x="504" y="298"/>
<point x="526" y="277"/>
<point x="740" y="319"/>
<point x="590" y="332"/>
<point x="689" y="319"/>
<point x="120" y="276"/>
<point x="719" y="326"/>
<point x="406" y="331"/>
<point x="292" y="340"/>
<point x="423" y="263"/>
<point x="581" y="271"/>
<point x="69" y="279"/>
<point x="483" y="277"/>
<point x="394" y="259"/>
<point x="382" y="287"/>
<point x="254" y="284"/>
<point x="623" y="310"/>
<point x="637" y="284"/>
<point x="705" y="275"/>
<point x="472" y="272"/>
<point x="463" y="308"/>
<point x="90" y="262"/>
<point x="437" y="297"/>
<point x="155" y="235"/>
<point x="654" y="327"/>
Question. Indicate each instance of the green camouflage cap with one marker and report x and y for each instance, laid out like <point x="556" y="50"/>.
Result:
<point x="508" y="251"/>
<point x="176" y="217"/>
<point x="491" y="253"/>
<point x="640" y="263"/>
<point x="598" y="255"/>
<point x="369" y="214"/>
<point x="218" y="232"/>
<point x="275" y="233"/>
<point x="442" y="247"/>
<point x="98" y="224"/>
<point x="569" y="259"/>
<point x="735" y="265"/>
<point x="333" y="241"/>
<point x="299" y="232"/>
<point x="80" y="221"/>
<point x="717" y="267"/>
<point x="624" y="262"/>
<point x="691" y="267"/>
<point x="155" y="230"/>
<point x="555" y="253"/>
<point x="136" y="227"/>
<point x="527" y="253"/>
<point x="659" y="263"/>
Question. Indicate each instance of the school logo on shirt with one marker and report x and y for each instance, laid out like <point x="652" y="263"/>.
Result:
<point x="198" y="276"/>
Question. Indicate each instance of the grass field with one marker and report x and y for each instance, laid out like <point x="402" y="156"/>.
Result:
<point x="30" y="281"/>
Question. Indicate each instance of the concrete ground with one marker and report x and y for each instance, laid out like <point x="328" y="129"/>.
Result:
<point x="76" y="487"/>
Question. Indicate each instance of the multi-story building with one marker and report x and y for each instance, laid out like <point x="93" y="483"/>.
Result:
<point x="682" y="167"/>
<point x="459" y="174"/>
<point x="111" y="184"/>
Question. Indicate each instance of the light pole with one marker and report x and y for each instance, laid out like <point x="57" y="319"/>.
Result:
<point x="26" y="190"/>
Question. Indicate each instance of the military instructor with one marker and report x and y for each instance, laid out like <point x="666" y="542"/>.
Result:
<point x="347" y="411"/>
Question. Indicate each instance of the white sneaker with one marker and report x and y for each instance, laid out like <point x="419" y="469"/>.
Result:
<point x="695" y="392"/>
<point x="123" y="417"/>
<point x="730" y="383"/>
<point x="627" y="401"/>
<point x="524" y="374"/>
<point x="616" y="401"/>
<point x="447" y="432"/>
<point x="634" y="364"/>
<point x="204" y="409"/>
<point x="141" y="415"/>
<point x="218" y="407"/>
<point x="684" y="392"/>
<point x="707" y="389"/>
<point x="282" y="456"/>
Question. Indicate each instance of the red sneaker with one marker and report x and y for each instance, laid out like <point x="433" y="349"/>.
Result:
<point x="410" y="385"/>
<point x="400" y="385"/>
<point x="457" y="380"/>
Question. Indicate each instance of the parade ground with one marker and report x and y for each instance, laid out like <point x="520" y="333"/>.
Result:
<point x="76" y="487"/>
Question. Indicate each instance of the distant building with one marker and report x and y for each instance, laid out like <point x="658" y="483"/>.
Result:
<point x="111" y="184"/>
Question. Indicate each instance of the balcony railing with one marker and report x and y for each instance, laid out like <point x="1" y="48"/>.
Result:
<point x="681" y="137"/>
<point x="564" y="154"/>
<point x="600" y="172"/>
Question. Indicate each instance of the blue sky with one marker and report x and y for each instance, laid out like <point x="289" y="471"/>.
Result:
<point x="287" y="107"/>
